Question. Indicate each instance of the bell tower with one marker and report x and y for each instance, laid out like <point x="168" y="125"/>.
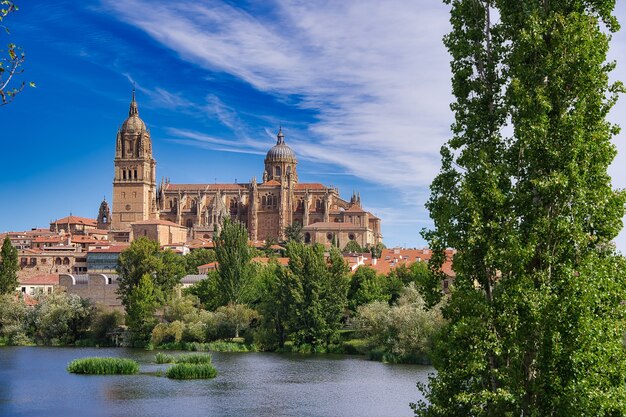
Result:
<point x="134" y="181"/>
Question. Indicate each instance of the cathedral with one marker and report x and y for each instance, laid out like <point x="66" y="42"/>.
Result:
<point x="266" y="207"/>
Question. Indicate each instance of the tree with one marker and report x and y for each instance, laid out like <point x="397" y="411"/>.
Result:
<point x="316" y="293"/>
<point x="536" y="317"/>
<point x="8" y="267"/>
<point x="143" y="300"/>
<point x="198" y="257"/>
<point x="145" y="257"/>
<point x="234" y="268"/>
<point x="10" y="66"/>
<point x="366" y="286"/>
<point x="353" y="247"/>
<point x="294" y="233"/>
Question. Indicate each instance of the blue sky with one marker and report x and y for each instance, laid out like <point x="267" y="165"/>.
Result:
<point x="361" y="88"/>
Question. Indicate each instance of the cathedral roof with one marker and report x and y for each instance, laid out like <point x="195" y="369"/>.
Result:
<point x="280" y="151"/>
<point x="204" y="187"/>
<point x="77" y="220"/>
<point x="133" y="124"/>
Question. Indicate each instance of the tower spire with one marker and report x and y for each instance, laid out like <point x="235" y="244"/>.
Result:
<point x="133" y="106"/>
<point x="280" y="136"/>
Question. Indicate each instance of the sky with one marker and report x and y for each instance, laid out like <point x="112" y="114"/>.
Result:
<point x="361" y="89"/>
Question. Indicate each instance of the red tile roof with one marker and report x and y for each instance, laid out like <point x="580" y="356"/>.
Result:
<point x="310" y="186"/>
<point x="332" y="226"/>
<point x="159" y="222"/>
<point x="77" y="220"/>
<point x="43" y="279"/>
<point x="110" y="249"/>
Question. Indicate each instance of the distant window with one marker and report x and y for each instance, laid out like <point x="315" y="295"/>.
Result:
<point x="307" y="237"/>
<point x="329" y="236"/>
<point x="189" y="223"/>
<point x="289" y="170"/>
<point x="277" y="171"/>
<point x="351" y="236"/>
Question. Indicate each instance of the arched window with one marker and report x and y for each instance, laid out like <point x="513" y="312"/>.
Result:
<point x="66" y="261"/>
<point x="307" y="237"/>
<point x="263" y="201"/>
<point x="233" y="206"/>
<point x="58" y="261"/>
<point x="135" y="174"/>
<point x="124" y="174"/>
<point x="189" y="223"/>
<point x="289" y="170"/>
<point x="277" y="171"/>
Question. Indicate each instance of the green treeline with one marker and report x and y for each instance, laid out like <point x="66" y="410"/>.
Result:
<point x="312" y="305"/>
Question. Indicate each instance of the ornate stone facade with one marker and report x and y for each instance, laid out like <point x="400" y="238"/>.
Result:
<point x="266" y="207"/>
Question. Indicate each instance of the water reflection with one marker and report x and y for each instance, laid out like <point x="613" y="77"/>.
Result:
<point x="35" y="383"/>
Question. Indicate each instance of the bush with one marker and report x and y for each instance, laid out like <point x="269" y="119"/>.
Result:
<point x="161" y="358"/>
<point x="103" y="366"/>
<point x="192" y="371"/>
<point x="105" y="325"/>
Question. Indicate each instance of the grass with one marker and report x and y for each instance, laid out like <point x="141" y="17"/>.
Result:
<point x="103" y="366"/>
<point x="192" y="371"/>
<point x="217" y="346"/>
<point x="194" y="358"/>
<point x="164" y="358"/>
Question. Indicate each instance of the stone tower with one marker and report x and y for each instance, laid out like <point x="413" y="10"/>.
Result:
<point x="104" y="216"/>
<point x="134" y="183"/>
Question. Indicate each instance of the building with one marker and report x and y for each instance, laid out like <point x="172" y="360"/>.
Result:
<point x="266" y="207"/>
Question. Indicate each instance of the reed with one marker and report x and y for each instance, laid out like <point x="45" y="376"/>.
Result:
<point x="191" y="371"/>
<point x="164" y="358"/>
<point x="103" y="366"/>
<point x="194" y="358"/>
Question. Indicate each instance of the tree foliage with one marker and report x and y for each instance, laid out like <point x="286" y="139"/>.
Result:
<point x="143" y="300"/>
<point x="236" y="274"/>
<point x="8" y="267"/>
<point x="353" y="247"/>
<point x="10" y="65"/>
<point x="198" y="257"/>
<point x="536" y="316"/>
<point x="144" y="257"/>
<point x="294" y="233"/>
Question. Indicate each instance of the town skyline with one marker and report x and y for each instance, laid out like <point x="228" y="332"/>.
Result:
<point x="364" y="104"/>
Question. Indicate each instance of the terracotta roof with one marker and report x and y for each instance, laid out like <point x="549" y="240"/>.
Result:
<point x="159" y="222"/>
<point x="77" y="220"/>
<point x="271" y="182"/>
<point x="43" y="279"/>
<point x="355" y="209"/>
<point x="110" y="249"/>
<point x="84" y="239"/>
<point x="310" y="186"/>
<point x="394" y="257"/>
<point x="48" y="239"/>
<point x="97" y="232"/>
<point x="204" y="187"/>
<point x="332" y="226"/>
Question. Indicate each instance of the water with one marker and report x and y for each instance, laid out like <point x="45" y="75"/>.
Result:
<point x="34" y="382"/>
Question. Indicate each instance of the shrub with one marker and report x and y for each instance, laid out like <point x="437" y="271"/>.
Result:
<point x="164" y="358"/>
<point x="103" y="366"/>
<point x="192" y="371"/>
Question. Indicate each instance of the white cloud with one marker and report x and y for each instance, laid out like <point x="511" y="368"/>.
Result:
<point x="373" y="72"/>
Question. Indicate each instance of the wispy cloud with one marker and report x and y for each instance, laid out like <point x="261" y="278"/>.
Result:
<point x="368" y="70"/>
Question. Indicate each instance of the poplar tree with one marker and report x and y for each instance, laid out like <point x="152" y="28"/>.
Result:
<point x="233" y="255"/>
<point x="8" y="267"/>
<point x="536" y="316"/>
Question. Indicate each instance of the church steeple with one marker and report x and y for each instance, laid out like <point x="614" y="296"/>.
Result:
<point x="134" y="111"/>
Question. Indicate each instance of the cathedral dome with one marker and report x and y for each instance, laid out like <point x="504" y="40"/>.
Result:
<point x="280" y="151"/>
<point x="133" y="124"/>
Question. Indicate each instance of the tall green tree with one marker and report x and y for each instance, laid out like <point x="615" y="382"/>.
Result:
<point x="143" y="300"/>
<point x="236" y="274"/>
<point x="8" y="267"/>
<point x="294" y="233"/>
<point x="536" y="316"/>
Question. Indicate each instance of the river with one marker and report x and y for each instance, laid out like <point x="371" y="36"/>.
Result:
<point x="34" y="382"/>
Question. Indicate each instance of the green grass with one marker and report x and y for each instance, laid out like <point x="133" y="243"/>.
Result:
<point x="103" y="366"/>
<point x="194" y="358"/>
<point x="217" y="346"/>
<point x="191" y="371"/>
<point x="164" y="358"/>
